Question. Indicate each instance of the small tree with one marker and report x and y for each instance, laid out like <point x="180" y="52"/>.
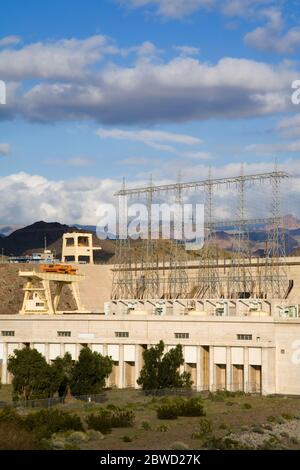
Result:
<point x="162" y="370"/>
<point x="31" y="375"/>
<point x="61" y="371"/>
<point x="89" y="373"/>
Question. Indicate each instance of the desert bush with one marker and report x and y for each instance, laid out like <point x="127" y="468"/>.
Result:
<point x="268" y="427"/>
<point x="179" y="446"/>
<point x="106" y="419"/>
<point x="271" y="419"/>
<point x="15" y="437"/>
<point x="258" y="429"/>
<point x="162" y="428"/>
<point x="146" y="426"/>
<point x="223" y="426"/>
<point x="44" y="423"/>
<point x="127" y="438"/>
<point x="10" y="416"/>
<point x="192" y="407"/>
<point x="246" y="406"/>
<point x="167" y="411"/>
<point x="279" y="420"/>
<point x="171" y="408"/>
<point x="287" y="416"/>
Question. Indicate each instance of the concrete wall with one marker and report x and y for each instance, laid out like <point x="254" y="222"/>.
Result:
<point x="212" y="342"/>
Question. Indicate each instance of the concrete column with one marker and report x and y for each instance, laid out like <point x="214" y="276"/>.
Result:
<point x="78" y="349"/>
<point x="62" y="349"/>
<point x="211" y="369"/>
<point x="47" y="352"/>
<point x="198" y="369"/>
<point x="228" y="368"/>
<point x="268" y="371"/>
<point x="137" y="364"/>
<point x="121" y="366"/>
<point x="4" y="364"/>
<point x="246" y="370"/>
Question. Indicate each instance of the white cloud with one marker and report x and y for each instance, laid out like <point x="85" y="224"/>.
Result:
<point x="182" y="89"/>
<point x="178" y="9"/>
<point x="63" y="59"/>
<point x="10" y="41"/>
<point x="187" y="51"/>
<point x="148" y="137"/>
<point x="32" y="197"/>
<point x="5" y="149"/>
<point x="159" y="140"/>
<point x="272" y="37"/>
<point x="290" y="126"/>
<point x="271" y="149"/>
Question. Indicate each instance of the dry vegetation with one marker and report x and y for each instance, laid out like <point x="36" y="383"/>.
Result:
<point x="231" y="421"/>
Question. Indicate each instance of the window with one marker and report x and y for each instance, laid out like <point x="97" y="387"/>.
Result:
<point x="64" y="333"/>
<point x="70" y="242"/>
<point x="244" y="337"/>
<point x="8" y="333"/>
<point x="122" y="334"/>
<point x="182" y="335"/>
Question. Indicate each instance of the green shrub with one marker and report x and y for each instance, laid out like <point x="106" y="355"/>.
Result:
<point x="205" y="426"/>
<point x="284" y="434"/>
<point x="162" y="428"/>
<point x="171" y="408"/>
<point x="271" y="419"/>
<point x="246" y="406"/>
<point x="10" y="416"/>
<point x="179" y="446"/>
<point x="294" y="440"/>
<point x="167" y="411"/>
<point x="192" y="407"/>
<point x="223" y="426"/>
<point x="106" y="419"/>
<point x="230" y="403"/>
<point x="287" y="416"/>
<point x="268" y="427"/>
<point x="258" y="429"/>
<point x="46" y="422"/>
<point x="127" y="438"/>
<point x="146" y="425"/>
<point x="279" y="420"/>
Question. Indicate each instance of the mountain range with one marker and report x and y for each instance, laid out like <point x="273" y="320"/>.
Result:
<point x="34" y="238"/>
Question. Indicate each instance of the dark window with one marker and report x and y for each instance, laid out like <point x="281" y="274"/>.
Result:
<point x="122" y="334"/>
<point x="244" y="337"/>
<point x="182" y="335"/>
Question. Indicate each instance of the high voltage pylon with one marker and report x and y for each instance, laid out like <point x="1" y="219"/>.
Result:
<point x="275" y="278"/>
<point x="240" y="281"/>
<point x="178" y="283"/>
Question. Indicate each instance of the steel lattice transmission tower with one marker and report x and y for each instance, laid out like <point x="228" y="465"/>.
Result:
<point x="123" y="282"/>
<point x="276" y="278"/>
<point x="178" y="282"/>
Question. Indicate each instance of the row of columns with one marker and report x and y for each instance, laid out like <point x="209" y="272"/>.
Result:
<point x="267" y="365"/>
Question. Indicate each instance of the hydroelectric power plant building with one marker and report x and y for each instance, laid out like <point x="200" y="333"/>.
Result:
<point x="237" y="319"/>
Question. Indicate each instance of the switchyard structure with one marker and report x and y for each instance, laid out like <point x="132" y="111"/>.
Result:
<point x="141" y="277"/>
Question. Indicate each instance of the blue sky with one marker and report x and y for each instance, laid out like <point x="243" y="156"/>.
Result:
<point x="101" y="89"/>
